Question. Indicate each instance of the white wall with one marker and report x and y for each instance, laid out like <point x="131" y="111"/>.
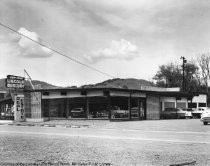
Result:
<point x="53" y="95"/>
<point x="127" y="94"/>
<point x="172" y="99"/>
<point x="200" y="99"/>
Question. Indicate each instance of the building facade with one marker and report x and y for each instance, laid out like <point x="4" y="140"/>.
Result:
<point x="101" y="103"/>
<point x="95" y="103"/>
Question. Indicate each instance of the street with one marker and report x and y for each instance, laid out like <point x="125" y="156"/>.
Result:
<point x="163" y="142"/>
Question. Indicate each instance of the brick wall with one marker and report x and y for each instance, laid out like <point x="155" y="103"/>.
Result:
<point x="153" y="107"/>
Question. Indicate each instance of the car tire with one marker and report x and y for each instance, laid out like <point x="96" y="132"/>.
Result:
<point x="205" y="123"/>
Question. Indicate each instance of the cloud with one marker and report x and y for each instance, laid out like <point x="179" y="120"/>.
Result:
<point x="31" y="49"/>
<point x="18" y="45"/>
<point x="122" y="49"/>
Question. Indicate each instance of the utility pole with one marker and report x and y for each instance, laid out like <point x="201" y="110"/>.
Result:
<point x="184" y="61"/>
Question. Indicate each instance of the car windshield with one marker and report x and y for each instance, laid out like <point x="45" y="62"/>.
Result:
<point x="77" y="109"/>
<point x="170" y="109"/>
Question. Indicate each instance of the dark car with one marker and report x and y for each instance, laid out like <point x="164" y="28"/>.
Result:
<point x="118" y="113"/>
<point x="173" y="113"/>
<point x="77" y="113"/>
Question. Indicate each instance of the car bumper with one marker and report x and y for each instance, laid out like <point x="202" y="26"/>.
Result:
<point x="205" y="119"/>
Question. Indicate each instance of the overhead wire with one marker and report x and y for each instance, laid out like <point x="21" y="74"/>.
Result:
<point x="58" y="52"/>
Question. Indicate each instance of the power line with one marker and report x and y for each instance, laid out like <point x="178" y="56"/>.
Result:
<point x="43" y="45"/>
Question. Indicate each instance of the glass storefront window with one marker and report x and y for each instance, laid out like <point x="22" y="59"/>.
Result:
<point x="57" y="108"/>
<point x="119" y="108"/>
<point x="77" y="108"/>
<point x="7" y="112"/>
<point x="98" y="108"/>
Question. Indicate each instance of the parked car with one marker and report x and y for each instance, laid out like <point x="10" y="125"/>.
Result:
<point x="118" y="113"/>
<point x="102" y="114"/>
<point x="196" y="113"/>
<point x="205" y="116"/>
<point x="77" y="113"/>
<point x="173" y="113"/>
<point x="188" y="112"/>
<point x="134" y="112"/>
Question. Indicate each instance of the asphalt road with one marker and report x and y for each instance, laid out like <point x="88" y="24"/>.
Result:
<point x="168" y="142"/>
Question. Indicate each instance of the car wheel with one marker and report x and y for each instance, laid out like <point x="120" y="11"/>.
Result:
<point x="205" y="123"/>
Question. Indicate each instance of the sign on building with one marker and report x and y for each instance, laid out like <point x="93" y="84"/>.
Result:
<point x="15" y="82"/>
<point x="19" y="111"/>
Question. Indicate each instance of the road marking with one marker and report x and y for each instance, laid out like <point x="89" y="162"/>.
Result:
<point x="159" y="131"/>
<point x="108" y="137"/>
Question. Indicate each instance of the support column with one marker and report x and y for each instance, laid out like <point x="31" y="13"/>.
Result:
<point x="109" y="107"/>
<point x="129" y="107"/>
<point x="87" y="107"/>
<point x="138" y="107"/>
<point x="67" y="108"/>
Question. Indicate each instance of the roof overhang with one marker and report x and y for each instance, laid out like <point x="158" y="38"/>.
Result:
<point x="132" y="91"/>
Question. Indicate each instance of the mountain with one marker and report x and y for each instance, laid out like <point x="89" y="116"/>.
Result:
<point x="129" y="83"/>
<point x="44" y="85"/>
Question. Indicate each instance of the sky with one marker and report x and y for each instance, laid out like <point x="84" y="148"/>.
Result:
<point x="125" y="39"/>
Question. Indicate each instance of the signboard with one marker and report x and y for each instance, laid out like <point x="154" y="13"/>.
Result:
<point x="15" y="82"/>
<point x="19" y="110"/>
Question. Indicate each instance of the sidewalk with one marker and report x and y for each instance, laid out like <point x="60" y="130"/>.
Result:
<point x="5" y="121"/>
<point x="61" y="123"/>
<point x="179" y="125"/>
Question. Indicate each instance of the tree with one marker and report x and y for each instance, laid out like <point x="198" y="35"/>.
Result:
<point x="192" y="80"/>
<point x="204" y="64"/>
<point x="170" y="75"/>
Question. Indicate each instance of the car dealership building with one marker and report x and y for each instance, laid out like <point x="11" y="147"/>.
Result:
<point x="145" y="103"/>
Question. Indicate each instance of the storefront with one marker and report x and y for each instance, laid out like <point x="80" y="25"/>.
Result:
<point x="92" y="103"/>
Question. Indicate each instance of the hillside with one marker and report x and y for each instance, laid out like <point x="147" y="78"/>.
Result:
<point x="129" y="83"/>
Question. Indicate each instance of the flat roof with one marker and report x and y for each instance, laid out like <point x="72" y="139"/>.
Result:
<point x="161" y="93"/>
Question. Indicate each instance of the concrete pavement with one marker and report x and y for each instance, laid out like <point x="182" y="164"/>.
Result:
<point x="119" y="143"/>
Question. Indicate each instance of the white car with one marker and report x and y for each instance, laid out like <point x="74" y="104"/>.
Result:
<point x="188" y="112"/>
<point x="205" y="116"/>
<point x="198" y="111"/>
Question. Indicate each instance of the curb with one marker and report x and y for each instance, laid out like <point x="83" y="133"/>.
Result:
<point x="48" y="125"/>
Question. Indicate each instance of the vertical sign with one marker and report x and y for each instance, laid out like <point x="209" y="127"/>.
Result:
<point x="19" y="112"/>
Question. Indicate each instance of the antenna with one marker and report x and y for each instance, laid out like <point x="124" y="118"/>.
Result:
<point x="30" y="80"/>
<point x="33" y="87"/>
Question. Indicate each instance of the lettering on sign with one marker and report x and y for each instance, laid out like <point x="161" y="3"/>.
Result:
<point x="15" y="82"/>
